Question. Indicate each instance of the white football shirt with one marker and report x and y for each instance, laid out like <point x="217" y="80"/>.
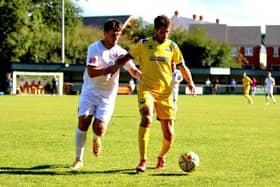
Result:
<point x="101" y="57"/>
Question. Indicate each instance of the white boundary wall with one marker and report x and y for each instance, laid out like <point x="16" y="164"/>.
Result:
<point x="17" y="74"/>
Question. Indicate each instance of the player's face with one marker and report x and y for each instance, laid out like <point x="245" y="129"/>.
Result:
<point x="111" y="38"/>
<point x="162" y="34"/>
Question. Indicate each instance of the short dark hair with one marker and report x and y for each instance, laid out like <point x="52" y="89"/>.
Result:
<point x="161" y="21"/>
<point x="112" y="24"/>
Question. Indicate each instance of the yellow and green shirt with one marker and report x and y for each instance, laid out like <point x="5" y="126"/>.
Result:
<point x="155" y="62"/>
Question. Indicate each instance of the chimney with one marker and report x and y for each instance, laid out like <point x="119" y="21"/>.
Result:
<point x="200" y="18"/>
<point x="194" y="17"/>
<point x="217" y="21"/>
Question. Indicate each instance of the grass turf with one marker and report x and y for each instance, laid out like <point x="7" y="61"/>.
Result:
<point x="238" y="143"/>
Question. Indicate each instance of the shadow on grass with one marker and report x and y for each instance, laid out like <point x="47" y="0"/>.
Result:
<point x="64" y="170"/>
<point x="58" y="170"/>
<point x="169" y="174"/>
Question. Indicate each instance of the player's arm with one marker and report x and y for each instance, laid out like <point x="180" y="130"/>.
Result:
<point x="135" y="72"/>
<point x="273" y="82"/>
<point x="188" y="77"/>
<point x="95" y="71"/>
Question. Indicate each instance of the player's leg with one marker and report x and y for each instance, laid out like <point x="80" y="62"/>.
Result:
<point x="267" y="98"/>
<point x="145" y="100"/>
<point x="273" y="98"/>
<point x="247" y="96"/>
<point x="143" y="136"/>
<point x="167" y="114"/>
<point x="86" y="110"/>
<point x="104" y="111"/>
<point x="80" y="140"/>
<point x="167" y="127"/>
<point x="99" y="129"/>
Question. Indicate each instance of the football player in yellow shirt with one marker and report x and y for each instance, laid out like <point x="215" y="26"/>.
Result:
<point x="246" y="81"/>
<point x="154" y="90"/>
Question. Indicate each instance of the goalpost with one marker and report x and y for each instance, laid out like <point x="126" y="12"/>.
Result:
<point x="20" y="77"/>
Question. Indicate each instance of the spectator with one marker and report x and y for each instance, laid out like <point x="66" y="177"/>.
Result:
<point x="253" y="86"/>
<point x="54" y="85"/>
<point x="40" y="88"/>
<point x="48" y="88"/>
<point x="232" y="85"/>
<point x="208" y="85"/>
<point x="26" y="88"/>
<point x="9" y="85"/>
<point x="215" y="86"/>
<point x="33" y="87"/>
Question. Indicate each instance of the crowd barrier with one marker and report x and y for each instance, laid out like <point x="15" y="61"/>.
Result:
<point x="224" y="89"/>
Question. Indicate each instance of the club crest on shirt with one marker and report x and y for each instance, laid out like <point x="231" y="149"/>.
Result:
<point x="142" y="101"/>
<point x="92" y="61"/>
<point x="115" y="55"/>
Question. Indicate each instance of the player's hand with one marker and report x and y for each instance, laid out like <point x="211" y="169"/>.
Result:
<point x="123" y="59"/>
<point x="191" y="87"/>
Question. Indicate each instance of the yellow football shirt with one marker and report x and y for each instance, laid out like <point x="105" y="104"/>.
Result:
<point x="155" y="63"/>
<point x="246" y="81"/>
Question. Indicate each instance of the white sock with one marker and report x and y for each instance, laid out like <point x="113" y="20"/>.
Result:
<point x="273" y="99"/>
<point x="267" y="99"/>
<point x="95" y="136"/>
<point x="81" y="137"/>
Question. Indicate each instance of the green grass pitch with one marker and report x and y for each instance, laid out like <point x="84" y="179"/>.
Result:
<point x="238" y="143"/>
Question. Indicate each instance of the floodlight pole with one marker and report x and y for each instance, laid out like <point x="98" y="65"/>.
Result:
<point x="62" y="34"/>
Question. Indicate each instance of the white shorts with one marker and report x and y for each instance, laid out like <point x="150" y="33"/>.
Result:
<point x="99" y="107"/>
<point x="269" y="90"/>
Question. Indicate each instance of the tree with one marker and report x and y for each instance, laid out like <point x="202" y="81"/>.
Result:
<point x="31" y="31"/>
<point x="200" y="51"/>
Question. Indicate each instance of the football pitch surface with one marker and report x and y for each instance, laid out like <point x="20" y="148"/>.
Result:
<point x="238" y="143"/>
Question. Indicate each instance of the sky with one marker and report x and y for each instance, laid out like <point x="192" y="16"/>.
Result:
<point x="230" y="12"/>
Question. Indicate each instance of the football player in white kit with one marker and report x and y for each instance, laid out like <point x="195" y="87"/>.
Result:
<point x="269" y="84"/>
<point x="101" y="79"/>
<point x="177" y="78"/>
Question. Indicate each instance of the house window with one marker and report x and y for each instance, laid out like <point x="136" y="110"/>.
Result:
<point x="275" y="52"/>
<point x="234" y="52"/>
<point x="248" y="51"/>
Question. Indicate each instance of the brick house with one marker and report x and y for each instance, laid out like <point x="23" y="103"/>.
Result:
<point x="214" y="31"/>
<point x="246" y="43"/>
<point x="272" y="43"/>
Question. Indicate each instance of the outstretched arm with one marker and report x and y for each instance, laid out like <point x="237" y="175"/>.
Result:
<point x="94" y="71"/>
<point x="135" y="72"/>
<point x="188" y="77"/>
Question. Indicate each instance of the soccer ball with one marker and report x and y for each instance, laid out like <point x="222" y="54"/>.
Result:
<point x="188" y="162"/>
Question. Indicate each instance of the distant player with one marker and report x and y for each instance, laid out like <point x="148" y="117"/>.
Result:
<point x="269" y="84"/>
<point x="246" y="81"/>
<point x="177" y="79"/>
<point x="101" y="79"/>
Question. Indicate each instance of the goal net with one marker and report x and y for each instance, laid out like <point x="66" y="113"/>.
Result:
<point x="37" y="83"/>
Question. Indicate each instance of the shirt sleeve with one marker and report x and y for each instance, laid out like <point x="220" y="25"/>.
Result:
<point x="92" y="58"/>
<point x="177" y="54"/>
<point x="129" y="65"/>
